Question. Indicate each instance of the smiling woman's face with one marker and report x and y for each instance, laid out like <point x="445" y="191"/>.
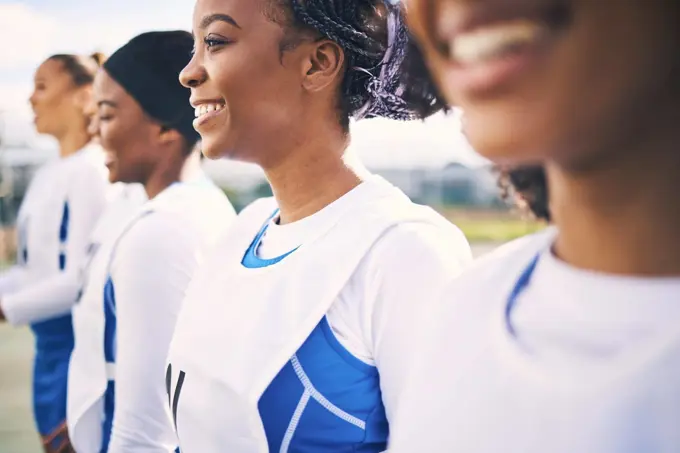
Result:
<point x="557" y="79"/>
<point x="247" y="92"/>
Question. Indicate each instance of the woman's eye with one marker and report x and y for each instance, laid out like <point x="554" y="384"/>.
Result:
<point x="212" y="43"/>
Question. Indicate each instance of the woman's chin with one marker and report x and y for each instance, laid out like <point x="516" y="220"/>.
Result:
<point x="213" y="148"/>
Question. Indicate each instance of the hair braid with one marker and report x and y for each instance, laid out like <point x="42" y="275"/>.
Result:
<point x="317" y="16"/>
<point x="376" y="48"/>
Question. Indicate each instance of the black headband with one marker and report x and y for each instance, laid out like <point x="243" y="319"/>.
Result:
<point x="148" y="68"/>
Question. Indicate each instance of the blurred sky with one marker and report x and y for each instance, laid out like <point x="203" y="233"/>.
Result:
<point x="31" y="30"/>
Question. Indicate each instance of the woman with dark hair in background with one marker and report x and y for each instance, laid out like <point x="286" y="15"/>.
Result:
<point x="567" y="340"/>
<point x="57" y="215"/>
<point x="136" y="282"/>
<point x="296" y="333"/>
<point x="526" y="187"/>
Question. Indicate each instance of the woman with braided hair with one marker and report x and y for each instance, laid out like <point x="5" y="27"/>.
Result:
<point x="295" y="335"/>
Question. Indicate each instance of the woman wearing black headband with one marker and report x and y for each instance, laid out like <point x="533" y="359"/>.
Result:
<point x="124" y="320"/>
<point x="56" y="217"/>
<point x="295" y="335"/>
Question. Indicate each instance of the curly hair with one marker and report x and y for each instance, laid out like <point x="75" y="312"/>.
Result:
<point x="527" y="187"/>
<point x="385" y="72"/>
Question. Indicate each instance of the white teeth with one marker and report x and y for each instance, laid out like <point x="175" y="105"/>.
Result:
<point x="494" y="40"/>
<point x="207" y="108"/>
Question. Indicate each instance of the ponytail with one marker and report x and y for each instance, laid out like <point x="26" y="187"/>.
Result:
<point x="386" y="75"/>
<point x="81" y="69"/>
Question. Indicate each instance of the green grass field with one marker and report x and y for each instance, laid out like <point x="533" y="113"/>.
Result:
<point x="17" y="433"/>
<point x="490" y="226"/>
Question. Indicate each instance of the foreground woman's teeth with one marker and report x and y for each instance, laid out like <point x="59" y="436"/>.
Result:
<point x="493" y="41"/>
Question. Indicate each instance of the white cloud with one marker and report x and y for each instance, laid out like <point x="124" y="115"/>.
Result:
<point x="26" y="35"/>
<point x="35" y="34"/>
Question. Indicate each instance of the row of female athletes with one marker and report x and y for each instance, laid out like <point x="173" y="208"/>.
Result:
<point x="338" y="316"/>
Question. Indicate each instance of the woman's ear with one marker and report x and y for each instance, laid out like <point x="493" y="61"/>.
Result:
<point x="323" y="65"/>
<point x="82" y="99"/>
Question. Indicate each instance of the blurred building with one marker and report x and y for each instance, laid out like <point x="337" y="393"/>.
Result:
<point x="453" y="184"/>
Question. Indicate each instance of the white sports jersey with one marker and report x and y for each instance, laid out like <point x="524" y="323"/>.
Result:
<point x="526" y="354"/>
<point x="307" y="350"/>
<point x="88" y="318"/>
<point x="57" y="295"/>
<point x="59" y="212"/>
<point x="116" y="399"/>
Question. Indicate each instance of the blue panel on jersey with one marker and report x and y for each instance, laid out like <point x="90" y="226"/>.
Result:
<point x="250" y="258"/>
<point x="63" y="235"/>
<point x="109" y="322"/>
<point x="324" y="400"/>
<point x="285" y="391"/>
<point x="107" y="423"/>
<point x="63" y="228"/>
<point x="110" y="357"/>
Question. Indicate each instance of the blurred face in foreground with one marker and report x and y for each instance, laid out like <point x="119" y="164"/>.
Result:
<point x="570" y="81"/>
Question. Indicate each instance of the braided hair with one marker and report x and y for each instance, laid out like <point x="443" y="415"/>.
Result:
<point x="385" y="73"/>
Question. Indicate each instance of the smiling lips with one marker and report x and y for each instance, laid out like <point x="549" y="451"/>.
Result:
<point x="491" y="43"/>
<point x="494" y="41"/>
<point x="206" y="111"/>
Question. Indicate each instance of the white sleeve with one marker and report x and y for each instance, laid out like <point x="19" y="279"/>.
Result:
<point x="43" y="300"/>
<point x="151" y="271"/>
<point x="56" y="295"/>
<point x="408" y="270"/>
<point x="12" y="279"/>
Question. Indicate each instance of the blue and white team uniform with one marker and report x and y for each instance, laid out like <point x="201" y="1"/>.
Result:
<point x="527" y="354"/>
<point x="297" y="337"/>
<point x="125" y="319"/>
<point x="56" y="296"/>
<point x="59" y="212"/>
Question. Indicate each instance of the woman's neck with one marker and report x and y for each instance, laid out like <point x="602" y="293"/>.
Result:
<point x="72" y="141"/>
<point x="623" y="217"/>
<point x="312" y="177"/>
<point x="171" y="171"/>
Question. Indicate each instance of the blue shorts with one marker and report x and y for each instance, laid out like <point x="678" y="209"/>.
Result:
<point x="54" y="343"/>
